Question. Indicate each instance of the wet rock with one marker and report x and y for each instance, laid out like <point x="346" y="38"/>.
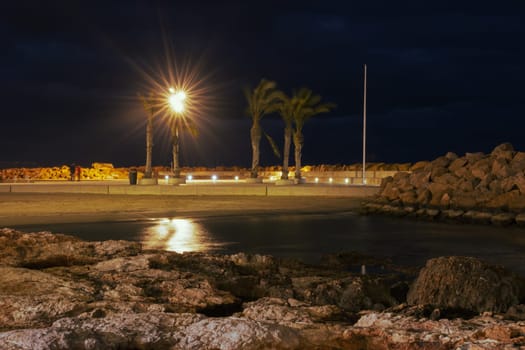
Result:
<point x="504" y="200"/>
<point x="452" y="214"/>
<point x="520" y="219"/>
<point x="477" y="217"/>
<point x="432" y="213"/>
<point x="465" y="283"/>
<point x="393" y="210"/>
<point x="502" y="219"/>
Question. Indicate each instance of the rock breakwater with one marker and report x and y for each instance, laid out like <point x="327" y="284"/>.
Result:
<point x="477" y="188"/>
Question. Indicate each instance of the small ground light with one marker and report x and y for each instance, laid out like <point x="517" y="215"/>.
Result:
<point x="166" y="177"/>
<point x="236" y="178"/>
<point x="347" y="180"/>
<point x="214" y="177"/>
<point x="189" y="177"/>
<point x="316" y="180"/>
<point x="330" y="180"/>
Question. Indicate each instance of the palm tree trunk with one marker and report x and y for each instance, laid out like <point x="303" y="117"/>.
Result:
<point x="175" y="150"/>
<point x="255" y="134"/>
<point x="298" y="145"/>
<point x="286" y="150"/>
<point x="149" y="147"/>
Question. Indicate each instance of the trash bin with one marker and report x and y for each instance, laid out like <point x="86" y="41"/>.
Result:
<point x="133" y="177"/>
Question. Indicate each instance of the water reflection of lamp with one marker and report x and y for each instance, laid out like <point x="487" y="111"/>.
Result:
<point x="178" y="235"/>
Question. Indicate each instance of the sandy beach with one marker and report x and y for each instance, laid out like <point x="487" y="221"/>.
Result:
<point x="31" y="208"/>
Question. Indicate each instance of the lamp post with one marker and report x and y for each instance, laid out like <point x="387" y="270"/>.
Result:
<point x="176" y="101"/>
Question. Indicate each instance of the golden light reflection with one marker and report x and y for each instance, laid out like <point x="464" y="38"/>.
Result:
<point x="178" y="235"/>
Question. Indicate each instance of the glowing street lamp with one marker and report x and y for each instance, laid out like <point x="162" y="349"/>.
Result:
<point x="176" y="102"/>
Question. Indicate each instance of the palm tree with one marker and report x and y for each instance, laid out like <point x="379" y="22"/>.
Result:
<point x="307" y="105"/>
<point x="263" y="100"/>
<point x="286" y="110"/>
<point x="148" y="104"/>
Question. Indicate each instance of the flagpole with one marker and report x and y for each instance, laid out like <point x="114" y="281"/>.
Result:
<point x="364" y="132"/>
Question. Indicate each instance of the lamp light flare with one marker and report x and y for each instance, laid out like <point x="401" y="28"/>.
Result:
<point x="176" y="100"/>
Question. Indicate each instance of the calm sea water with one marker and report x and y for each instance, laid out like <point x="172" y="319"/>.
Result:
<point x="307" y="237"/>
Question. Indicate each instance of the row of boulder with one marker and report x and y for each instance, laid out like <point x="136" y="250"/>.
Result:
<point x="58" y="292"/>
<point x="476" y="187"/>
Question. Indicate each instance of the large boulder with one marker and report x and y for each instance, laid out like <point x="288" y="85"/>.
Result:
<point x="518" y="162"/>
<point x="31" y="298"/>
<point x="465" y="283"/>
<point x="481" y="168"/>
<point x="501" y="168"/>
<point x="457" y="164"/>
<point x="45" y="249"/>
<point x="420" y="179"/>
<point x="504" y="151"/>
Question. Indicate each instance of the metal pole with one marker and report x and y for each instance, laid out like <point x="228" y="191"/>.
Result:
<point x="364" y="132"/>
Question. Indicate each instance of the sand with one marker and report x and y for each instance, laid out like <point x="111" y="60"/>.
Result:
<point x="30" y="208"/>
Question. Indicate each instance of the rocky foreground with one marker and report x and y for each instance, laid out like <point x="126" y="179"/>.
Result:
<point x="476" y="188"/>
<point x="58" y="292"/>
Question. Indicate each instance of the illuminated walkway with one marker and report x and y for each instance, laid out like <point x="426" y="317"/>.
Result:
<point x="194" y="188"/>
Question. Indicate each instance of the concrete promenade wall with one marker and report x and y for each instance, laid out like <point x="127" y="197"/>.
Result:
<point x="218" y="189"/>
<point x="350" y="177"/>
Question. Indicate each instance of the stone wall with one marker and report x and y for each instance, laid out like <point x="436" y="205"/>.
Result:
<point x="476" y="187"/>
<point x="97" y="171"/>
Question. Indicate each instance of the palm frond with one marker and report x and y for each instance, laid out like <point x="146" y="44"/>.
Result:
<point x="275" y="148"/>
<point x="263" y="99"/>
<point x="307" y="105"/>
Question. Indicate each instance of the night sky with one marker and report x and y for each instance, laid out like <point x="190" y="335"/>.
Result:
<point x="442" y="76"/>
